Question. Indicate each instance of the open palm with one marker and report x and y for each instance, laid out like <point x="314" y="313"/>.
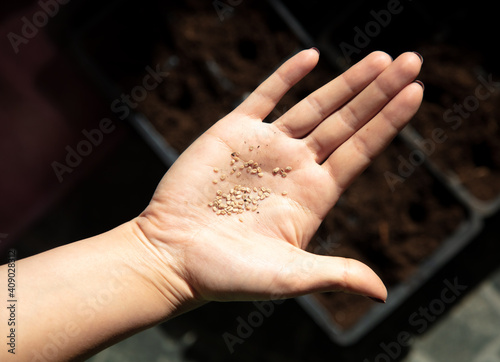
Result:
<point x="249" y="243"/>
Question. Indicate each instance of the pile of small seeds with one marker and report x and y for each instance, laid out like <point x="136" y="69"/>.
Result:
<point x="238" y="200"/>
<point x="242" y="198"/>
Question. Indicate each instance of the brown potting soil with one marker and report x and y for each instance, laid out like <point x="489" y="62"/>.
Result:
<point x="462" y="99"/>
<point x="218" y="63"/>
<point x="214" y="63"/>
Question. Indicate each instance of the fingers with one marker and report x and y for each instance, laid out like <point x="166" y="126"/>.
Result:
<point x="306" y="115"/>
<point x="354" y="155"/>
<point x="317" y="273"/>
<point x="341" y="125"/>
<point x="263" y="100"/>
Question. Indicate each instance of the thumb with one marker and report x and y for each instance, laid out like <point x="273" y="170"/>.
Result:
<point x="318" y="273"/>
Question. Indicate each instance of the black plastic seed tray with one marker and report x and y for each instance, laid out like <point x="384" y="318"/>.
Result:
<point x="485" y="208"/>
<point x="401" y="292"/>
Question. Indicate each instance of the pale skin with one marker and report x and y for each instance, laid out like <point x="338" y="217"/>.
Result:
<point x="75" y="300"/>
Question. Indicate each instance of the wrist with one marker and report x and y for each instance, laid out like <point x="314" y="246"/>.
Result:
<point x="161" y="268"/>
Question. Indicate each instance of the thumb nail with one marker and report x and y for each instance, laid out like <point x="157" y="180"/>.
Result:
<point x="377" y="300"/>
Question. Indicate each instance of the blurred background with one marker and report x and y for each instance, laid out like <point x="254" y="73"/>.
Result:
<point x="97" y="99"/>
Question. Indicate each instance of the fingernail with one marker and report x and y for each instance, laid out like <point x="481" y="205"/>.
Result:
<point x="420" y="56"/>
<point x="377" y="300"/>
<point x="420" y="83"/>
<point x="316" y="50"/>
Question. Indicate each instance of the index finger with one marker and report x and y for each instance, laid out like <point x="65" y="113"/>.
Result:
<point x="263" y="100"/>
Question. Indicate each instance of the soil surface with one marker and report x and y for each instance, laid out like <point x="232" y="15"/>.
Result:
<point x="462" y="98"/>
<point x="217" y="64"/>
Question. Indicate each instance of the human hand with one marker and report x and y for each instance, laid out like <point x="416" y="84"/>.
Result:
<point x="327" y="139"/>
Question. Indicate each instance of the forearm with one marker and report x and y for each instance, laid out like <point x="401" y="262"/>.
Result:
<point x="77" y="299"/>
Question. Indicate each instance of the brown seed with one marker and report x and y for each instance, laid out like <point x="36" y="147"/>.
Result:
<point x="219" y="192"/>
<point x="284" y="193"/>
<point x="254" y="171"/>
<point x="260" y="174"/>
<point x="251" y="148"/>
<point x="238" y="174"/>
<point x="255" y="165"/>
<point x="288" y="169"/>
<point x="259" y="170"/>
<point x="233" y="162"/>
<point x="276" y="170"/>
<point x="216" y="170"/>
<point x="283" y="175"/>
<point x="242" y="167"/>
<point x="241" y="220"/>
<point x="214" y="181"/>
<point x="222" y="177"/>
<point x="250" y="163"/>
